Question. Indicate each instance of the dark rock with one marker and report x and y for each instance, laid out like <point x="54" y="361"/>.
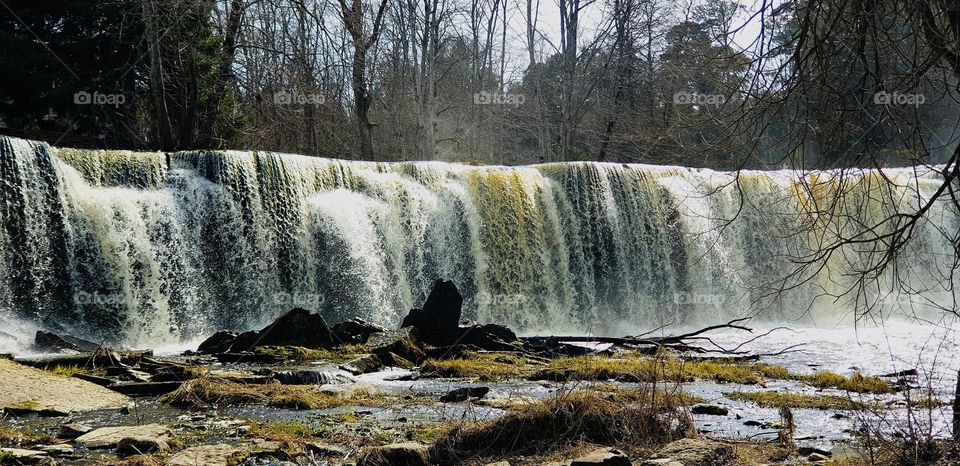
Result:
<point x="403" y="344"/>
<point x="355" y="330"/>
<point x="254" y="358"/>
<point x="73" y="430"/>
<point x="46" y="341"/>
<point x="807" y="451"/>
<point x="141" y="446"/>
<point x="710" y="410"/>
<point x="312" y="378"/>
<point x="439" y="320"/>
<point x="602" y="457"/>
<point x="363" y="365"/>
<point x="324" y="449"/>
<point x="219" y="342"/>
<point x="481" y="337"/>
<point x="393" y="360"/>
<point x="299" y="327"/>
<point x="396" y="454"/>
<point x="101" y="381"/>
<point x="464" y="394"/>
<point x="693" y="452"/>
<point x="145" y="388"/>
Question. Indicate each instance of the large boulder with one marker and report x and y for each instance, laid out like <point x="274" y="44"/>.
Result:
<point x="52" y="342"/>
<point x="219" y="342"/>
<point x="490" y="337"/>
<point x="355" y="331"/>
<point x="299" y="327"/>
<point x="396" y="454"/>
<point x="692" y="452"/>
<point x="208" y="455"/>
<point x="602" y="457"/>
<point x="110" y="437"/>
<point x="438" y="322"/>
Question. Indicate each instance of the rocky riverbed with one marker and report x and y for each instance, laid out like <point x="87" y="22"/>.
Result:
<point x="439" y="392"/>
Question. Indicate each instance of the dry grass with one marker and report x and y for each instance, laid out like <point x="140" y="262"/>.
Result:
<point x="558" y="422"/>
<point x="631" y="367"/>
<point x="773" y="399"/>
<point x="207" y="391"/>
<point x="291" y="434"/>
<point x="481" y="366"/>
<point x="11" y="436"/>
<point x="64" y="371"/>
<point x="296" y="353"/>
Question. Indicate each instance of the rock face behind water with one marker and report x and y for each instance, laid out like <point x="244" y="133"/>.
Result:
<point x="438" y="322"/>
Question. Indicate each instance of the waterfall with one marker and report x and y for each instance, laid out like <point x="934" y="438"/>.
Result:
<point x="159" y="248"/>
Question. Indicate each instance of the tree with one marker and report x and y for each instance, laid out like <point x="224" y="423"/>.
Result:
<point x="353" y="20"/>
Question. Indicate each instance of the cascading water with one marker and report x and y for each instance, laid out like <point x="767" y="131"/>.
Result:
<point x="153" y="248"/>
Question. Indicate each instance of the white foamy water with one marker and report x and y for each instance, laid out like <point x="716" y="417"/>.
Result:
<point x="154" y="249"/>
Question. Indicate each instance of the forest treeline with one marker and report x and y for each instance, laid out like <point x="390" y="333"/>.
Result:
<point x="701" y="83"/>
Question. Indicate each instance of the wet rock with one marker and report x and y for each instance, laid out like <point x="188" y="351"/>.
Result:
<point x="73" y="430"/>
<point x="604" y="457"/>
<point x="23" y="456"/>
<point x="807" y="451"/>
<point x="219" y="342"/>
<point x="464" y="394"/>
<point x="140" y="445"/>
<point x="307" y="377"/>
<point x="56" y="450"/>
<point x="207" y="455"/>
<point x="145" y="388"/>
<point x="438" y="321"/>
<point x="693" y="452"/>
<point x="394" y="360"/>
<point x="110" y="437"/>
<point x="52" y="342"/>
<point x="402" y="343"/>
<point x="29" y="390"/>
<point x="481" y="337"/>
<point x="396" y="454"/>
<point x="299" y="327"/>
<point x="324" y="449"/>
<point x="363" y="365"/>
<point x="710" y="410"/>
<point x="355" y="331"/>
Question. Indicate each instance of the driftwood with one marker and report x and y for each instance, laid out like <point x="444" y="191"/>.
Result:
<point x="695" y="342"/>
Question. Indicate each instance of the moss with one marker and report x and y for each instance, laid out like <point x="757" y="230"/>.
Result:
<point x="207" y="391"/>
<point x="300" y="354"/>
<point x="431" y="433"/>
<point x="23" y="436"/>
<point x="65" y="371"/>
<point x="634" y="368"/>
<point x="674" y="397"/>
<point x="290" y="433"/>
<point x="773" y="399"/>
<point x="481" y="366"/>
<point x="857" y="382"/>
